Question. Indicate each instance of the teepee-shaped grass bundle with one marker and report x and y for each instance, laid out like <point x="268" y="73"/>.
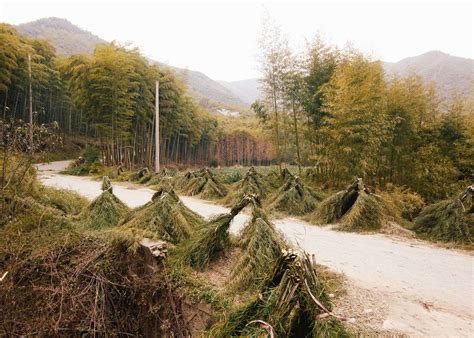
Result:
<point x="209" y="241"/>
<point x="251" y="184"/>
<point x="276" y="179"/>
<point x="293" y="198"/>
<point x="449" y="220"/>
<point x="166" y="216"/>
<point x="202" y="183"/>
<point x="355" y="208"/>
<point x="293" y="303"/>
<point x="104" y="211"/>
<point x="161" y="176"/>
<point x="261" y="246"/>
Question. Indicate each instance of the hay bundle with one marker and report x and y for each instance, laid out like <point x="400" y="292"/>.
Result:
<point x="276" y="179"/>
<point x="162" y="175"/>
<point x="104" y="211"/>
<point x="449" y="220"/>
<point x="165" y="216"/>
<point x="251" y="184"/>
<point x="209" y="241"/>
<point x="355" y="208"/>
<point x="293" y="303"/>
<point x="293" y="197"/>
<point x="203" y="183"/>
<point x="261" y="248"/>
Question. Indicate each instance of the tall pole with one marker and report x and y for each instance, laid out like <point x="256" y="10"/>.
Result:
<point x="31" y="105"/>
<point x="157" y="127"/>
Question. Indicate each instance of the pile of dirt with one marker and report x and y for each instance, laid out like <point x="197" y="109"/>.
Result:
<point x="62" y="281"/>
<point x="293" y="198"/>
<point x="353" y="209"/>
<point x="166" y="216"/>
<point x="449" y="220"/>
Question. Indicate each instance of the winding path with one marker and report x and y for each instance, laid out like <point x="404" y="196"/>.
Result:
<point x="415" y="287"/>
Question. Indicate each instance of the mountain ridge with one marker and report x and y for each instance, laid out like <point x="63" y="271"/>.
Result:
<point x="449" y="73"/>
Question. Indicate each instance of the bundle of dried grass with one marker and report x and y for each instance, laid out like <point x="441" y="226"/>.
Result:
<point x="292" y="302"/>
<point x="261" y="246"/>
<point x="161" y="176"/>
<point x="202" y="183"/>
<point x="209" y="241"/>
<point x="355" y="208"/>
<point x="293" y="197"/>
<point x="165" y="216"/>
<point x="251" y="184"/>
<point x="449" y="220"/>
<point x="104" y="211"/>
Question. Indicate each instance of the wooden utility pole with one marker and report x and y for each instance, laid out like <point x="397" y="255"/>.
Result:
<point x="157" y="127"/>
<point x="31" y="105"/>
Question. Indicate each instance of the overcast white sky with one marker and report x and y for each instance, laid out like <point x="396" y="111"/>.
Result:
<point x="219" y="38"/>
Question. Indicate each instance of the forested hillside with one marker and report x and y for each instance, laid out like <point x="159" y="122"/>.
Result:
<point x="338" y="111"/>
<point x="449" y="73"/>
<point x="108" y="96"/>
<point x="69" y="39"/>
<point x="66" y="38"/>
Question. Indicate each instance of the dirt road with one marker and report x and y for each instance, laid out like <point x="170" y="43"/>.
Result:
<point x="393" y="285"/>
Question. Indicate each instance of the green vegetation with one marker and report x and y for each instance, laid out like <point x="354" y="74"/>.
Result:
<point x="293" y="198"/>
<point x="261" y="247"/>
<point x="286" y="304"/>
<point x="253" y="183"/>
<point x="354" y="209"/>
<point x="449" y="220"/>
<point x="166" y="216"/>
<point x="337" y="111"/>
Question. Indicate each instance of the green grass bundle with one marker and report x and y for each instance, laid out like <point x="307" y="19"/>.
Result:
<point x="293" y="198"/>
<point x="290" y="302"/>
<point x="261" y="246"/>
<point x="162" y="175"/>
<point x="204" y="184"/>
<point x="211" y="240"/>
<point x="355" y="208"/>
<point x="275" y="178"/>
<point x="230" y="175"/>
<point x="165" y="216"/>
<point x="103" y="212"/>
<point x="251" y="184"/>
<point x="449" y="220"/>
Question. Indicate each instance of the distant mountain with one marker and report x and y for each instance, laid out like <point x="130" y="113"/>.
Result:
<point x="247" y="90"/>
<point x="67" y="38"/>
<point x="207" y="88"/>
<point x="449" y="73"/>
